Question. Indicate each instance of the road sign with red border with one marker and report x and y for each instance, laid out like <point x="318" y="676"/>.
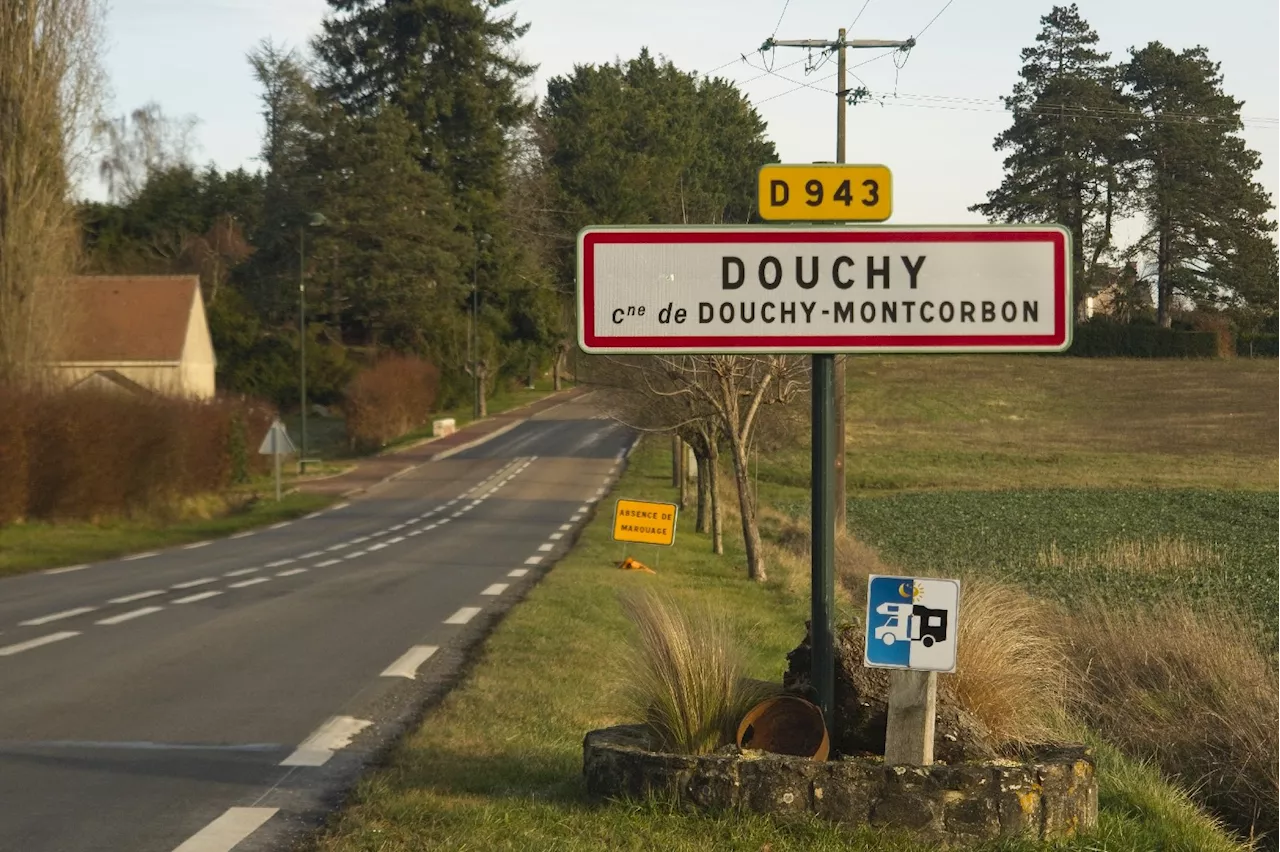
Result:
<point x="790" y="288"/>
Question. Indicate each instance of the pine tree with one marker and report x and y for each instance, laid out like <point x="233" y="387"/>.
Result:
<point x="1208" y="226"/>
<point x="1067" y="143"/>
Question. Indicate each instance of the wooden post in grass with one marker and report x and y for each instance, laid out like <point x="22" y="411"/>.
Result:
<point x="913" y="709"/>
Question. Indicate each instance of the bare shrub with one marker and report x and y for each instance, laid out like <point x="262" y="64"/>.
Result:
<point x="389" y="399"/>
<point x="1191" y="691"/>
<point x="687" y="680"/>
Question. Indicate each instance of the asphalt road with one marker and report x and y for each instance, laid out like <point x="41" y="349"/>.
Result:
<point x="219" y="696"/>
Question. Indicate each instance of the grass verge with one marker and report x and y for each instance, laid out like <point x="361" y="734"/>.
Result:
<point x="34" y="546"/>
<point x="498" y="763"/>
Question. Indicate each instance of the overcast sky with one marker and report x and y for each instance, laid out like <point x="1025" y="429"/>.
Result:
<point x="933" y="124"/>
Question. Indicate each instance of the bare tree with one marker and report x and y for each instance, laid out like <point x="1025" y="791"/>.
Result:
<point x="730" y="391"/>
<point x="141" y="144"/>
<point x="50" y="89"/>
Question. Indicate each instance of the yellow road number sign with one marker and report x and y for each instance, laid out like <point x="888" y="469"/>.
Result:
<point x="644" y="522"/>
<point x="825" y="193"/>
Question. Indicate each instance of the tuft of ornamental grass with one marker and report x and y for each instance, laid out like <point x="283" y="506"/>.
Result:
<point x="686" y="680"/>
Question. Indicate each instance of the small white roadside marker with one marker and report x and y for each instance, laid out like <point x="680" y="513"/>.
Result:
<point x="191" y="584"/>
<point x="57" y="616"/>
<point x="533" y="560"/>
<point x="10" y="650"/>
<point x="291" y="572"/>
<point x="495" y="589"/>
<point x="243" y="583"/>
<point x="334" y="734"/>
<point x="544" y="548"/>
<point x="198" y="596"/>
<point x="139" y="596"/>
<point x="225" y="832"/>
<point x="407" y="665"/>
<point x="129" y="616"/>
<point x="518" y="572"/>
<point x="463" y="615"/>
<point x="196" y="544"/>
<point x="66" y="570"/>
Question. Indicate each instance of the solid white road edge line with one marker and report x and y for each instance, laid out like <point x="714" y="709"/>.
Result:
<point x="129" y="616"/>
<point x="407" y="665"/>
<point x="139" y="596"/>
<point x="9" y="650"/>
<point x="280" y="525"/>
<point x="463" y="615"/>
<point x="334" y="734"/>
<point x="244" y="534"/>
<point x="225" y="832"/>
<point x="196" y="544"/>
<point x="146" y="555"/>
<point x="57" y="616"/>
<point x="518" y="572"/>
<point x="66" y="570"/>
<point x="199" y="596"/>
<point x="495" y="589"/>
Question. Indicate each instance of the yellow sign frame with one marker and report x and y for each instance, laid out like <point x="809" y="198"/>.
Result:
<point x="824" y="192"/>
<point x="660" y="530"/>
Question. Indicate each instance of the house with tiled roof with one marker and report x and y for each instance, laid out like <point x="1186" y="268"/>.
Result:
<point x="126" y="332"/>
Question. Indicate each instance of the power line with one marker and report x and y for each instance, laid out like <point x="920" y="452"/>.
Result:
<point x="865" y="4"/>
<point x="780" y="17"/>
<point x="935" y="17"/>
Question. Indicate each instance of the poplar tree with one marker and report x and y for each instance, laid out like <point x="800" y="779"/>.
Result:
<point x="1208" y="227"/>
<point x="1067" y="146"/>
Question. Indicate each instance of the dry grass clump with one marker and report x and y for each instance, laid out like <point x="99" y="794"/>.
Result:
<point x="686" y="679"/>
<point x="1191" y="691"/>
<point x="1160" y="555"/>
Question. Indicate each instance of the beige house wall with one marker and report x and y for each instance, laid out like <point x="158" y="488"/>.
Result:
<point x="164" y="378"/>
<point x="198" y="360"/>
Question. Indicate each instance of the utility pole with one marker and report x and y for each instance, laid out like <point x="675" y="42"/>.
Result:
<point x="302" y="344"/>
<point x="828" y="393"/>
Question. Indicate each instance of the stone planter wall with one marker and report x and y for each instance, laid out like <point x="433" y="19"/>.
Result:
<point x="1054" y="795"/>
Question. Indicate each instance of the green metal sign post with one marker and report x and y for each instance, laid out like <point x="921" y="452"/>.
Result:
<point x="822" y="525"/>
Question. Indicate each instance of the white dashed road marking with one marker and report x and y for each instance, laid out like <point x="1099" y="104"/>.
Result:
<point x="395" y="540"/>
<point x="57" y="616"/>
<point x="327" y="563"/>
<point x="463" y="615"/>
<point x="518" y="572"/>
<point x="312" y="555"/>
<point x="545" y="547"/>
<point x="139" y="596"/>
<point x="10" y="650"/>
<point x="243" y="583"/>
<point x="566" y="527"/>
<point x="241" y="572"/>
<point x="355" y="553"/>
<point x="361" y="540"/>
<point x="225" y="832"/>
<point x="495" y="589"/>
<point x="557" y="536"/>
<point x="280" y="525"/>
<point x="334" y="734"/>
<point x="196" y="544"/>
<point x="291" y="572"/>
<point x="339" y="546"/>
<point x="130" y="615"/>
<point x="147" y="555"/>
<point x="379" y="546"/>
<point x="280" y="563"/>
<point x="244" y="534"/>
<point x="199" y="596"/>
<point x="407" y="665"/>
<point x="576" y="518"/>
<point x="191" y="584"/>
<point x="533" y="560"/>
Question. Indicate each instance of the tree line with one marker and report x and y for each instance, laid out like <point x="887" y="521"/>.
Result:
<point x="1153" y="136"/>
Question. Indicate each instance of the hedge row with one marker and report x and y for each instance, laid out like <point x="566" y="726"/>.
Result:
<point x="1142" y="341"/>
<point x="388" y="400"/>
<point x="85" y="454"/>
<point x="1258" y="345"/>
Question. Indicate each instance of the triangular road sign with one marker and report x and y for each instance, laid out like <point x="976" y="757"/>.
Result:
<point x="277" y="441"/>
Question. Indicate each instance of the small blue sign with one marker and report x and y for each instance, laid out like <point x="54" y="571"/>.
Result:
<point x="912" y="623"/>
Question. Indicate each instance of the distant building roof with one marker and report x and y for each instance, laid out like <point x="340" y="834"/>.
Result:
<point x="117" y="318"/>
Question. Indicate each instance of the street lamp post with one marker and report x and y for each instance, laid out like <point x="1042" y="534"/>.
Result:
<point x="477" y="385"/>
<point x="316" y="220"/>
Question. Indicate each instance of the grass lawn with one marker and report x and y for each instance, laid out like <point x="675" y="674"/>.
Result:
<point x="498" y="764"/>
<point x="33" y="546"/>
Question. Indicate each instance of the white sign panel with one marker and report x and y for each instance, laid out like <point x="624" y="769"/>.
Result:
<point x="277" y="441"/>
<point x="912" y="623"/>
<point x="824" y="289"/>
